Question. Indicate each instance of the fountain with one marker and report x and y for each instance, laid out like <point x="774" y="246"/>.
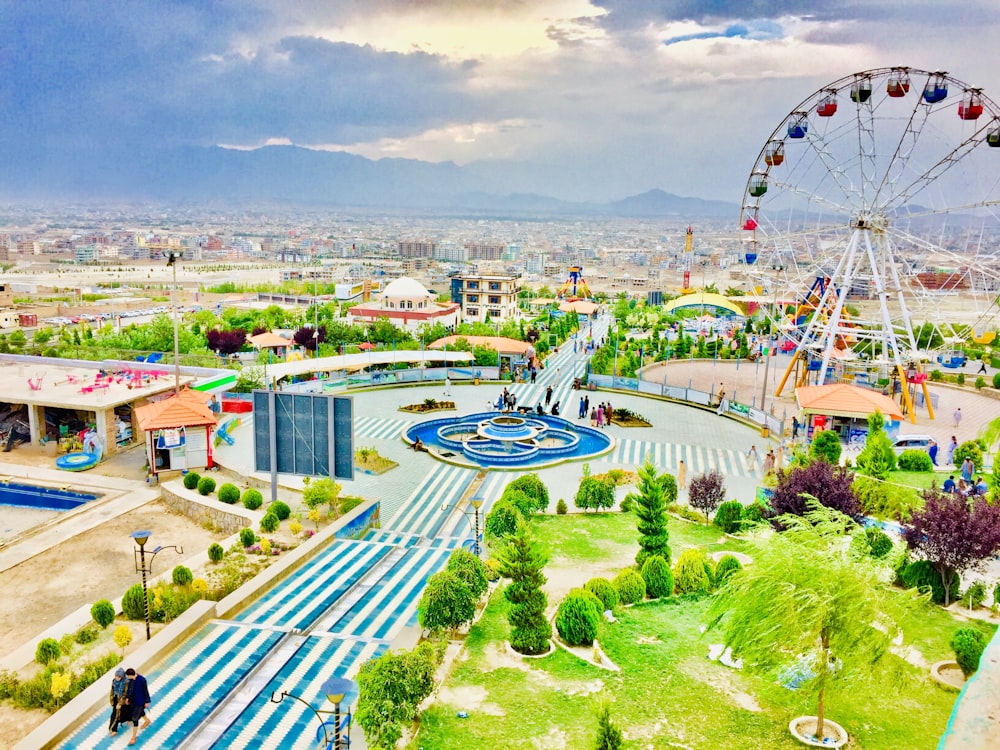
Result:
<point x="508" y="440"/>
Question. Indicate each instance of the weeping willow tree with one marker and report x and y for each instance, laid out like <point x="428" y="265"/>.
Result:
<point x="807" y="600"/>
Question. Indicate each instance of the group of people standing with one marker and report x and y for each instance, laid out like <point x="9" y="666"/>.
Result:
<point x="129" y="702"/>
<point x="600" y="416"/>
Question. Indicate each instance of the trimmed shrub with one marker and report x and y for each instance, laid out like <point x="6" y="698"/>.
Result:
<point x="729" y="516"/>
<point x="182" y="576"/>
<point x="921" y="575"/>
<point x="689" y="573"/>
<point x="603" y="589"/>
<point x="103" y="612"/>
<point x="826" y="446"/>
<point x="86" y="635"/>
<point x="975" y="595"/>
<point x="502" y="519"/>
<point x="532" y="486"/>
<point x="873" y="542"/>
<point x="969" y="449"/>
<point x="630" y="586"/>
<point x="470" y="570"/>
<point x="269" y="523"/>
<point x="492" y="570"/>
<point x="914" y="460"/>
<point x="247" y="537"/>
<point x="752" y="514"/>
<point x="657" y="577"/>
<point x="132" y="603"/>
<point x="996" y="380"/>
<point x="48" y="651"/>
<point x="967" y="643"/>
<point x="216" y="552"/>
<point x="191" y="480"/>
<point x="349" y="503"/>
<point x="960" y="379"/>
<point x="561" y="508"/>
<point x="229" y="493"/>
<point x="980" y="383"/>
<point x="595" y="493"/>
<point x="726" y="567"/>
<point x="206" y="485"/>
<point x="520" y="500"/>
<point x="578" y="617"/>
<point x="252" y="499"/>
<point x="280" y="509"/>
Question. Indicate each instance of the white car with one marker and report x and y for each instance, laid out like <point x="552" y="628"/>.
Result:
<point x="912" y="442"/>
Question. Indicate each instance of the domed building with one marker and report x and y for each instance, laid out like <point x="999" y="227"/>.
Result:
<point x="407" y="304"/>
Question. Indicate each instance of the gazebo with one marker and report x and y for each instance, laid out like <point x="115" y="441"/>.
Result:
<point x="845" y="408"/>
<point x="177" y="432"/>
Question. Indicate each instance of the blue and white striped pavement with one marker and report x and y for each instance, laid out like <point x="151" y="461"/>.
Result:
<point x="187" y="687"/>
<point x="421" y="512"/>
<point x="289" y="725"/>
<point x="666" y="456"/>
<point x="382" y="428"/>
<point x="382" y="609"/>
<point x="309" y="591"/>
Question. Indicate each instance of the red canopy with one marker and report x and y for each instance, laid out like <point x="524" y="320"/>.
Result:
<point x="366" y="346"/>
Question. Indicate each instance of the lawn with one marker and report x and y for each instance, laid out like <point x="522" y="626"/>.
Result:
<point x="668" y="694"/>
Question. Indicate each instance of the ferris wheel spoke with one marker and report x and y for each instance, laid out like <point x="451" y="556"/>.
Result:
<point x="842" y="210"/>
<point x="821" y="149"/>
<point x="909" y="136"/>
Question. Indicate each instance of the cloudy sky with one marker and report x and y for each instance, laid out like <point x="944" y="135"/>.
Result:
<point x="621" y="95"/>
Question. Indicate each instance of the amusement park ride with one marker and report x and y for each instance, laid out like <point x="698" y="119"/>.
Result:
<point x="575" y="286"/>
<point x="859" y="190"/>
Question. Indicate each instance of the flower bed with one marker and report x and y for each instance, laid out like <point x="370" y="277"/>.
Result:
<point x="429" y="405"/>
<point x="628" y="418"/>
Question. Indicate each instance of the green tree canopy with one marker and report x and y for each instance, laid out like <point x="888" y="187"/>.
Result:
<point x="522" y="560"/>
<point x="650" y="506"/>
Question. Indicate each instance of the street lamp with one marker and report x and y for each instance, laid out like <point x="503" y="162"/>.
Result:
<point x="141" y="537"/>
<point x="172" y="258"/>
<point x="338" y="690"/>
<point x="476" y="503"/>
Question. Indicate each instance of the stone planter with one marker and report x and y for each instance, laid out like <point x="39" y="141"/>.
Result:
<point x="803" y="728"/>
<point x="512" y="652"/>
<point x="948" y="675"/>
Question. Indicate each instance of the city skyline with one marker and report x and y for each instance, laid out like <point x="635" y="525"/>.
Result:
<point x="581" y="100"/>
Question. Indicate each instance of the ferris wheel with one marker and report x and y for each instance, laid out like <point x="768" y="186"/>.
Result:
<point x="875" y="206"/>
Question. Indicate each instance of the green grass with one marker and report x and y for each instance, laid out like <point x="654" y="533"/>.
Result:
<point x="668" y="694"/>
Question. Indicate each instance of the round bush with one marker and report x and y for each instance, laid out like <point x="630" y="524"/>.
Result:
<point x="280" y="509"/>
<point x="689" y="573"/>
<point x="657" y="577"/>
<point x="182" y="576"/>
<point x="996" y="380"/>
<point x="252" y="499"/>
<point x="85" y="635"/>
<point x="520" y="500"/>
<point x="47" y="651"/>
<point x="191" y="480"/>
<point x="914" y="460"/>
<point x="967" y="643"/>
<point x="752" y="513"/>
<point x="502" y="519"/>
<point x="726" y="567"/>
<point x="470" y="570"/>
<point x="215" y="552"/>
<point x="269" y="523"/>
<point x="578" y="617"/>
<point x="229" y="493"/>
<point x="595" y="494"/>
<point x="825" y="445"/>
<point x="603" y="590"/>
<point x="872" y="542"/>
<point x="975" y="595"/>
<point x="103" y="612"/>
<point x="969" y="449"/>
<point x="630" y="586"/>
<point x="206" y="485"/>
<point x="133" y="606"/>
<point x="922" y="575"/>
<point x="532" y="486"/>
<point x="728" y="516"/>
<point x="247" y="537"/>
<point x="561" y="508"/>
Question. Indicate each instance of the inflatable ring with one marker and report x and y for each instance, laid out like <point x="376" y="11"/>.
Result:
<point x="77" y="461"/>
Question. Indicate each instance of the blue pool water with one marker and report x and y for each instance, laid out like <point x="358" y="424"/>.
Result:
<point x="515" y="440"/>
<point x="41" y="498"/>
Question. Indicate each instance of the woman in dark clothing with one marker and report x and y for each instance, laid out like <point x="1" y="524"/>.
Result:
<point x="118" y="685"/>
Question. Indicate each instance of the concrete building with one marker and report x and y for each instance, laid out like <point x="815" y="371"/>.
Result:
<point x="487" y="297"/>
<point x="408" y="304"/>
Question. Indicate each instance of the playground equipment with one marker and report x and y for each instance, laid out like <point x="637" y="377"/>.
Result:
<point x="575" y="285"/>
<point x="859" y="185"/>
<point x="86" y="459"/>
<point x="224" y="433"/>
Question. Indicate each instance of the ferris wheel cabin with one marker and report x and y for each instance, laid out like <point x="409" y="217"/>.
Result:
<point x="861" y="91"/>
<point x="993" y="135"/>
<point x="798" y="126"/>
<point x="774" y="153"/>
<point x="758" y="185"/>
<point x="971" y="106"/>
<point x="827" y="106"/>
<point x="936" y="89"/>
<point x="898" y="84"/>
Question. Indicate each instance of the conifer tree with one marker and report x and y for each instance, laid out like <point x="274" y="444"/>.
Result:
<point x="609" y="737"/>
<point x="521" y="560"/>
<point x="651" y="513"/>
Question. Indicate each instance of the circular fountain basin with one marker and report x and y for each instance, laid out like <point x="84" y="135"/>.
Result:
<point x="508" y="440"/>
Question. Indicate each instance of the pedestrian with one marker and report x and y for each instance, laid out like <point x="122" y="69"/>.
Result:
<point x="682" y="472"/>
<point x="952" y="447"/>
<point x="967" y="469"/>
<point x="548" y="395"/>
<point x="137" y="697"/>
<point x="982" y="367"/>
<point x="768" y="465"/>
<point x="608" y="412"/>
<point x="593" y="417"/>
<point x="586" y="405"/>
<point x="583" y="409"/>
<point x="722" y="394"/>
<point x="795" y="427"/>
<point x="534" y="374"/>
<point x="752" y="456"/>
<point x="779" y="457"/>
<point x="957" y="417"/>
<point x="118" y="685"/>
<point x="600" y="416"/>
<point x="932" y="451"/>
<point x="447" y="386"/>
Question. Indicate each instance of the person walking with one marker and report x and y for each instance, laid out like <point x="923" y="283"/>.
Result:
<point x="768" y="466"/>
<point x="752" y="456"/>
<point x="586" y="405"/>
<point x="952" y="447"/>
<point x="137" y="698"/>
<point x="682" y="472"/>
<point x="600" y="416"/>
<point x="583" y="409"/>
<point x="722" y="394"/>
<point x="593" y="417"/>
<point x="795" y="427"/>
<point x="982" y="367"/>
<point x="118" y="685"/>
<point x="957" y="417"/>
<point x="932" y="451"/>
<point x="548" y="395"/>
<point x="534" y="374"/>
<point x="447" y="386"/>
<point x="779" y="456"/>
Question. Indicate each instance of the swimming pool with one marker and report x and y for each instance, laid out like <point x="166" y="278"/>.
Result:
<point x="41" y="498"/>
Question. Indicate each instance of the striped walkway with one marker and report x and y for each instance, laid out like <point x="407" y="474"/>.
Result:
<point x="188" y="686"/>
<point x="666" y="456"/>
<point x="381" y="428"/>
<point x="289" y="725"/>
<point x="421" y="512"/>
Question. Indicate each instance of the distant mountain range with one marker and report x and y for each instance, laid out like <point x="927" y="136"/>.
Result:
<point x="298" y="176"/>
